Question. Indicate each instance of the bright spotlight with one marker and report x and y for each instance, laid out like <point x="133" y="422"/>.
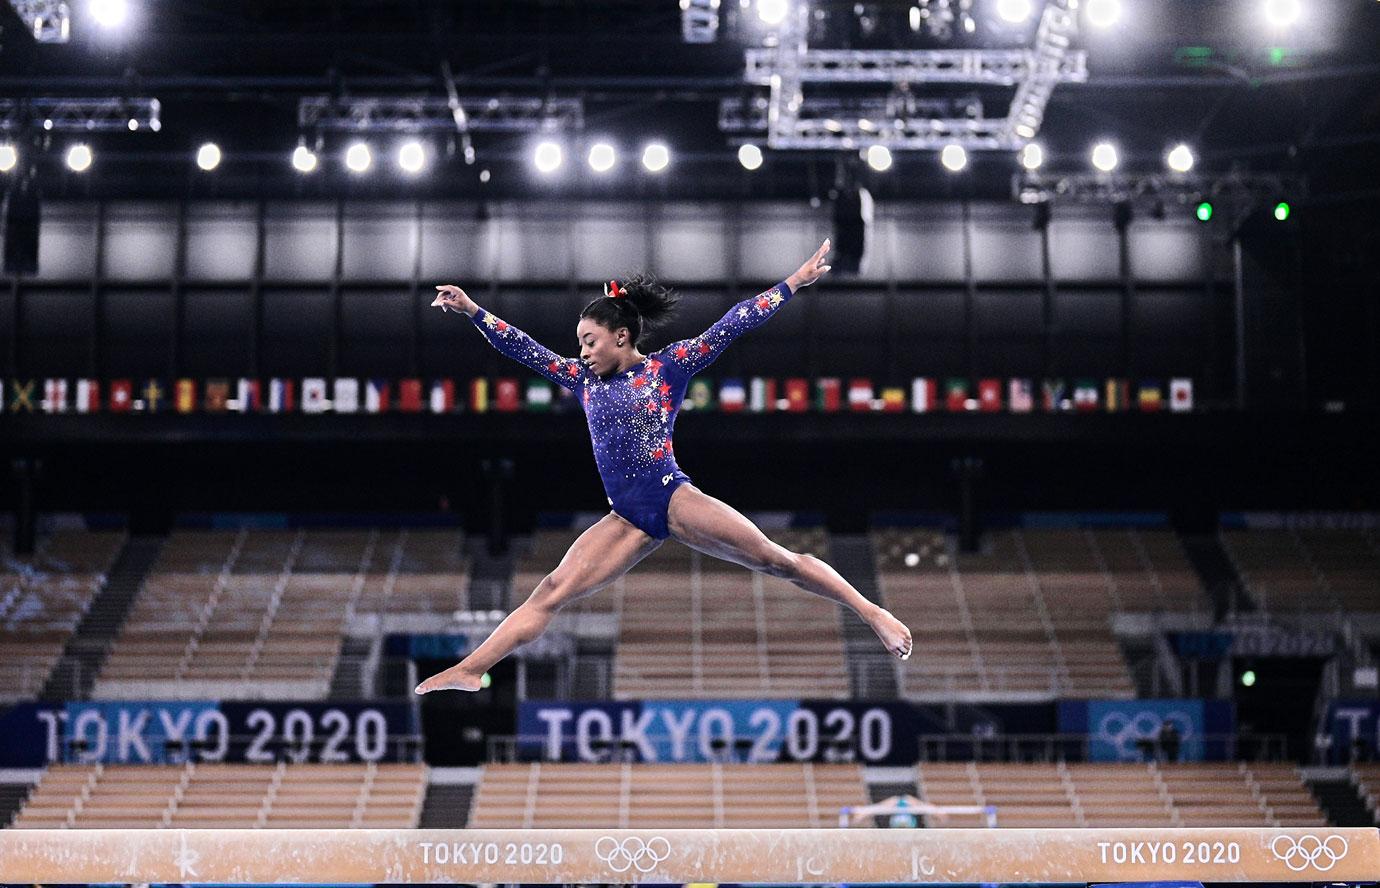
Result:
<point x="1104" y="156"/>
<point x="133" y="125"/>
<point x="1282" y="211"/>
<point x="772" y="12"/>
<point x="602" y="157"/>
<point x="411" y="156"/>
<point x="109" y="13"/>
<point x="9" y="156"/>
<point x="208" y="156"/>
<point x="1103" y="13"/>
<point x="879" y="158"/>
<point x="358" y="157"/>
<point x="79" y="158"/>
<point x="954" y="158"/>
<point x="1033" y="156"/>
<point x="1203" y="212"/>
<point x="547" y="157"/>
<point x="1180" y="159"/>
<point x="655" y="157"/>
<point x="750" y="156"/>
<point x="1281" y="13"/>
<point x="304" y="159"/>
<point x="1014" y="11"/>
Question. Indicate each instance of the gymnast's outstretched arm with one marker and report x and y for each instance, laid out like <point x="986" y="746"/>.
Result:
<point x="565" y="372"/>
<point x="693" y="355"/>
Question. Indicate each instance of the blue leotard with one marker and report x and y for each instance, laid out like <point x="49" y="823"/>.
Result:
<point x="632" y="415"/>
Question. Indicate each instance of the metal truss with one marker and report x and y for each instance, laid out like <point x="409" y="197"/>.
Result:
<point x="394" y="114"/>
<point x="1104" y="188"/>
<point x="50" y="21"/>
<point x="84" y="115"/>
<point x="699" y="20"/>
<point x="1001" y="67"/>
<point x="869" y="115"/>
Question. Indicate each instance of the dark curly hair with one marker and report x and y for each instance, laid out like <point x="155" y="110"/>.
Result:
<point x="647" y="303"/>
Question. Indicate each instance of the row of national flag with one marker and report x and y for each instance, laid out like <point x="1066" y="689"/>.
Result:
<point x="511" y="395"/>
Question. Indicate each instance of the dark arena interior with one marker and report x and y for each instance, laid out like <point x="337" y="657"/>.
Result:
<point x="1022" y="525"/>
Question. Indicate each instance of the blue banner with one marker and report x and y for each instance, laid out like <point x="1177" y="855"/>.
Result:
<point x="1136" y="730"/>
<point x="717" y="730"/>
<point x="439" y="646"/>
<point x="1354" y="726"/>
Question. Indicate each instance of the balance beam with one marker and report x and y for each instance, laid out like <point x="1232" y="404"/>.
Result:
<point x="364" y="856"/>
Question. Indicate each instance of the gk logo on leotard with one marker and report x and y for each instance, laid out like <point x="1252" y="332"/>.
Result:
<point x="632" y="853"/>
<point x="1301" y="853"/>
<point x="666" y="479"/>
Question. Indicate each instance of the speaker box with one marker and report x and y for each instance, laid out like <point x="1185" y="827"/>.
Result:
<point x="21" y="229"/>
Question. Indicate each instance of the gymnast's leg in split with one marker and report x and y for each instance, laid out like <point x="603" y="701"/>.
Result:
<point x="601" y="555"/>
<point x="715" y="528"/>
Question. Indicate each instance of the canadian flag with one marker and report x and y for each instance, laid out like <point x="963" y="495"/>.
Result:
<point x="121" y="395"/>
<point x="88" y="396"/>
<point x="54" y="396"/>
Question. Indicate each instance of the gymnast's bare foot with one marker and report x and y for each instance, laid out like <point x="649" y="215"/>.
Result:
<point x="893" y="633"/>
<point x="456" y="678"/>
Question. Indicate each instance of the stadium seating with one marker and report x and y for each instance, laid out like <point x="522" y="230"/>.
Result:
<point x="1320" y="571"/>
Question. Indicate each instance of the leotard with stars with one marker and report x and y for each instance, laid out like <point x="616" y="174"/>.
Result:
<point x="632" y="415"/>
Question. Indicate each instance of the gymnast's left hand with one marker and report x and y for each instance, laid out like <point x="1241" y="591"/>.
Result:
<point x="813" y="269"/>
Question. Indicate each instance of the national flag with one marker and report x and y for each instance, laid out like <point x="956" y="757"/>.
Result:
<point x="1055" y="396"/>
<point x="479" y="395"/>
<point x="859" y="394"/>
<point x="1084" y="395"/>
<point x="506" y="395"/>
<point x="442" y="396"/>
<point x="88" y="398"/>
<point x="345" y="395"/>
<point x="924" y="395"/>
<point x="1150" y="396"/>
<point x="22" y="393"/>
<point x="762" y="395"/>
<point x="247" y="396"/>
<point x="410" y="395"/>
<point x="121" y="395"/>
<point x="956" y="394"/>
<point x="989" y="395"/>
<point x="54" y="396"/>
<point x="1020" y="396"/>
<point x="893" y="400"/>
<point x="539" y="395"/>
<point x="217" y="395"/>
<point x="154" y="396"/>
<point x="184" y="395"/>
<point x="282" y="396"/>
<point x="1118" y="395"/>
<point x="828" y="394"/>
<point x="1181" y="395"/>
<point x="797" y="395"/>
<point x="314" y="398"/>
<point x="376" y="396"/>
<point x="700" y="395"/>
<point x="732" y="396"/>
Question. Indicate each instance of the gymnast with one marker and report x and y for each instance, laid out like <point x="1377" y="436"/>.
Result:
<point x="630" y="401"/>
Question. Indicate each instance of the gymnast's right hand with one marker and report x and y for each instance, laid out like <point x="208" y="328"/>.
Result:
<point x="451" y="298"/>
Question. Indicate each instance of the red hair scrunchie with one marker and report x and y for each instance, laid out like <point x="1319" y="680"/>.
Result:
<point x="613" y="291"/>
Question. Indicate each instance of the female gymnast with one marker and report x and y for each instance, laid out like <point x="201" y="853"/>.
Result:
<point x="630" y="401"/>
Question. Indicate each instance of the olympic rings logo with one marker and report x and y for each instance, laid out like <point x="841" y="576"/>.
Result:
<point x="632" y="853"/>
<point x="1299" y="854"/>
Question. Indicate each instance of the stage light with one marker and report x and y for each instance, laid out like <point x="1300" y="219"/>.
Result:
<point x="208" y="156"/>
<point x="1104" y="156"/>
<point x="1103" y="13"/>
<point x="602" y="157"/>
<point x="750" y="156"/>
<point x="1180" y="159"/>
<point x="656" y="157"/>
<point x="412" y="157"/>
<point x="1281" y="13"/>
<point x="304" y="159"/>
<point x="1248" y="678"/>
<point x="1014" y="11"/>
<point x="485" y="680"/>
<point x="772" y="12"/>
<point x="358" y="158"/>
<point x="954" y="158"/>
<point x="9" y="156"/>
<point x="879" y="158"/>
<point x="1282" y="211"/>
<point x="133" y="125"/>
<point x="1032" y="156"/>
<point x="1203" y="212"/>
<point x="547" y="157"/>
<point x="79" y="158"/>
<point x="109" y="13"/>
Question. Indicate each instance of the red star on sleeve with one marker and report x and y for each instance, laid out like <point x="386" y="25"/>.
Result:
<point x="572" y="369"/>
<point x="764" y="303"/>
<point x="682" y="352"/>
<point x="659" y="453"/>
<point x="651" y="407"/>
<point x="668" y="445"/>
<point x="704" y="348"/>
<point x="665" y="405"/>
<point x="653" y="365"/>
<point x="502" y="326"/>
<point x="639" y="381"/>
<point x="554" y="367"/>
<point x="664" y="388"/>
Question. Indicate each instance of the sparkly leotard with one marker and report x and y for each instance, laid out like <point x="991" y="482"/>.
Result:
<point x="632" y="415"/>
